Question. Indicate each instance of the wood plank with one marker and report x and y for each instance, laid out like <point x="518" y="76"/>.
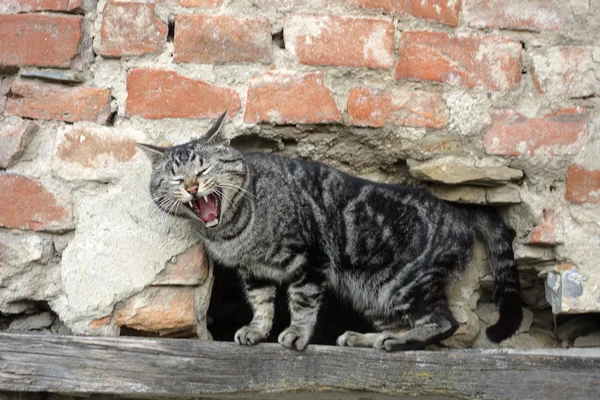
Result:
<point x="185" y="367"/>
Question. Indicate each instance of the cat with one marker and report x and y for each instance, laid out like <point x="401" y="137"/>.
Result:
<point x="389" y="250"/>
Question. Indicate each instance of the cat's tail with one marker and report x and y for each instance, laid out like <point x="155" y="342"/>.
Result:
<point x="498" y="239"/>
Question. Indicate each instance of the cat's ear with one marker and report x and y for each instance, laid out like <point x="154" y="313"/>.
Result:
<point x="214" y="133"/>
<point x="155" y="153"/>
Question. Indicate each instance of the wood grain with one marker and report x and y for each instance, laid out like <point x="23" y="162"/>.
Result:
<point x="185" y="367"/>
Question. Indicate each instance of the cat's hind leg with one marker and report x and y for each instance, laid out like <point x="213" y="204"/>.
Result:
<point x="427" y="330"/>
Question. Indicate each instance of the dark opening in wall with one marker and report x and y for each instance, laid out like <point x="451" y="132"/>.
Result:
<point x="277" y="38"/>
<point x="229" y="311"/>
<point x="171" y="31"/>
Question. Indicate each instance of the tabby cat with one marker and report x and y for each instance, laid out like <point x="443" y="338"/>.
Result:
<point x="389" y="250"/>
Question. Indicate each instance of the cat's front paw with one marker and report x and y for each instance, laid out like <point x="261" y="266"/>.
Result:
<point x="249" y="336"/>
<point x="294" y="338"/>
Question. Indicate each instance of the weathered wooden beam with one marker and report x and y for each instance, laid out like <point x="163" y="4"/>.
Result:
<point x="184" y="367"/>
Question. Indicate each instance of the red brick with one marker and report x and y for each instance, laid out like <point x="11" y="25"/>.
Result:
<point x="45" y="40"/>
<point x="14" y="134"/>
<point x="158" y="308"/>
<point x="201" y="3"/>
<point x="120" y="37"/>
<point x="513" y="134"/>
<point x="286" y="98"/>
<point x="292" y="5"/>
<point x="92" y="153"/>
<point x="545" y="231"/>
<point x="566" y="71"/>
<point x="34" y="99"/>
<point x="583" y="186"/>
<point x="222" y="39"/>
<point x="26" y="204"/>
<point x="154" y="93"/>
<point x="188" y="268"/>
<point x="100" y="322"/>
<point x="375" y="108"/>
<point x="444" y="11"/>
<point x="44" y="5"/>
<point x="340" y="41"/>
<point x="529" y="15"/>
<point x="470" y="61"/>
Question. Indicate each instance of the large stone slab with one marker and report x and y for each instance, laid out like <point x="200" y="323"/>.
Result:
<point x="454" y="170"/>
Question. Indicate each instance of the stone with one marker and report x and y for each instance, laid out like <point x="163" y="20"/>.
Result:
<point x="187" y="268"/>
<point x="93" y="153"/>
<point x="592" y="340"/>
<point x="32" y="322"/>
<point x="565" y="71"/>
<point x="375" y="108"/>
<point x="471" y="61"/>
<point x="503" y="195"/>
<point x="158" y="308"/>
<point x="526" y="254"/>
<point x="44" y="40"/>
<point x="201" y="3"/>
<point x="15" y="134"/>
<point x="527" y="321"/>
<point x="155" y="94"/>
<point x="103" y="265"/>
<point x="513" y="134"/>
<point x="545" y="231"/>
<point x="442" y="11"/>
<point x="57" y="75"/>
<point x="222" y="39"/>
<point x="44" y="5"/>
<point x="290" y="98"/>
<point x="26" y="204"/>
<point x="120" y="37"/>
<point x="465" y="335"/>
<point x="19" y="249"/>
<point x="583" y="186"/>
<point x="571" y="291"/>
<point x="339" y="41"/>
<point x="453" y="170"/>
<point x="528" y="15"/>
<point x="579" y="326"/>
<point x="48" y="101"/>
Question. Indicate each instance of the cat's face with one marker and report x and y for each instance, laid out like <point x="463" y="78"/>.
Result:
<point x="201" y="179"/>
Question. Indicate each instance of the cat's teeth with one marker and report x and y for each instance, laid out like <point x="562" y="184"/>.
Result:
<point x="190" y="204"/>
<point x="205" y="197"/>
<point x="212" y="223"/>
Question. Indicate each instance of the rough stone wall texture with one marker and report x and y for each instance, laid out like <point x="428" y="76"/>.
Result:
<point x="484" y="101"/>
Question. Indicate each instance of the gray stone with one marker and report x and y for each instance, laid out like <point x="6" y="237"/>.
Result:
<point x="15" y="135"/>
<point x="527" y="254"/>
<point x="103" y="265"/>
<point x="452" y="170"/>
<point x="63" y="76"/>
<point x="32" y="322"/>
<point x="592" y="340"/>
<point x="566" y="290"/>
<point x="502" y="195"/>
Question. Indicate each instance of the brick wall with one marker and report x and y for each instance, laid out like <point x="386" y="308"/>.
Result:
<point x="485" y="101"/>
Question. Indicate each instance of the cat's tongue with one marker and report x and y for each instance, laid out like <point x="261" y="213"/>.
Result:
<point x="208" y="209"/>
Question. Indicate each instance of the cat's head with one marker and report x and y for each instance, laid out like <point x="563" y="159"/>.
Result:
<point x="202" y="179"/>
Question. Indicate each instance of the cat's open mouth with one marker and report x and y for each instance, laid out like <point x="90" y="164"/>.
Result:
<point x="207" y="208"/>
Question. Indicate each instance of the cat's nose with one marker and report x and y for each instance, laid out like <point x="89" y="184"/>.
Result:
<point x="192" y="189"/>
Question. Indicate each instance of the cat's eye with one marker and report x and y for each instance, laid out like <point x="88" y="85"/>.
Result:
<point x="206" y="171"/>
<point x="177" y="180"/>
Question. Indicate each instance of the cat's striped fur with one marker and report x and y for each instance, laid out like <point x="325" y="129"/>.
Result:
<point x="390" y="250"/>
